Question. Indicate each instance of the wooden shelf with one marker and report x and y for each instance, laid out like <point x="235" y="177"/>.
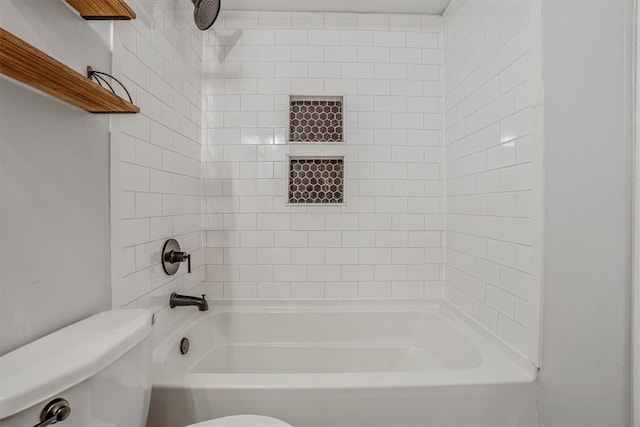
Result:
<point x="103" y="9"/>
<point x="23" y="62"/>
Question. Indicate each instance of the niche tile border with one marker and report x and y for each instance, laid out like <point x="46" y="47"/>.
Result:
<point x="316" y="119"/>
<point x="315" y="180"/>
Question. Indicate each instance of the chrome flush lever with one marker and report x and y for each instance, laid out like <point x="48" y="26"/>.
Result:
<point x="56" y="411"/>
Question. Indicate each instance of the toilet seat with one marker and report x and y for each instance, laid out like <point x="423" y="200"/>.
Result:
<point x="242" y="421"/>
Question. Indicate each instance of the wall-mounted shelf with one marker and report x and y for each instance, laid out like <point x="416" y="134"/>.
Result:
<point x="103" y="9"/>
<point x="23" y="62"/>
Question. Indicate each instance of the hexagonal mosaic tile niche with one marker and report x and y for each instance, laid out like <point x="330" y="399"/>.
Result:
<point x="316" y="119"/>
<point x="316" y="180"/>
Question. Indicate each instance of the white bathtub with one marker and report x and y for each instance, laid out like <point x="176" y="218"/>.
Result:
<point x="339" y="363"/>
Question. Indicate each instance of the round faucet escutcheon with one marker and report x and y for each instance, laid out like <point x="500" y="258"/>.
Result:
<point x="172" y="256"/>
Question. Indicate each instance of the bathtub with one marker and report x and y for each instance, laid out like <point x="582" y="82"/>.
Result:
<point x="340" y="363"/>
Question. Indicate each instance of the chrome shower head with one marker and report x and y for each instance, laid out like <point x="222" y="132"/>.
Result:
<point x="205" y="13"/>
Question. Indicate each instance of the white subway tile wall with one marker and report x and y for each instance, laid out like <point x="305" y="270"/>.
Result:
<point x="489" y="177"/>
<point x="387" y="240"/>
<point x="210" y="151"/>
<point x="159" y="57"/>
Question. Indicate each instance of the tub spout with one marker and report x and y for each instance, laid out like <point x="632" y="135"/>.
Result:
<point x="177" y="300"/>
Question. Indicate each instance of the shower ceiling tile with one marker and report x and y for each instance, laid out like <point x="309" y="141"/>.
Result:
<point x="428" y="7"/>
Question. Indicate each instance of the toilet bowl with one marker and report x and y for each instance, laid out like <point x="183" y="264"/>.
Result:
<point x="243" y="421"/>
<point x="96" y="372"/>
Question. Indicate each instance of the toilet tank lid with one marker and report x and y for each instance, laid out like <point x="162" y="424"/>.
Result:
<point x="39" y="370"/>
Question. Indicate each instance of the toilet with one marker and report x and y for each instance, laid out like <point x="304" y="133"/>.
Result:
<point x="96" y="372"/>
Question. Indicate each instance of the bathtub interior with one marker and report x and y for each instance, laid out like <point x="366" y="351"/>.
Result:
<point x="340" y="342"/>
<point x="305" y="337"/>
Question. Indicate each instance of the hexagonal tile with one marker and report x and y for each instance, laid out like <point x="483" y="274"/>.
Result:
<point x="315" y="121"/>
<point x="316" y="180"/>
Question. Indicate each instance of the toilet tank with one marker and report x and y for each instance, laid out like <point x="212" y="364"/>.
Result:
<point x="100" y="365"/>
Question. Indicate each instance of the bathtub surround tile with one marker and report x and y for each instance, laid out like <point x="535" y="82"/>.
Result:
<point x="240" y="290"/>
<point x="485" y="180"/>
<point x="364" y="246"/>
<point x="374" y="290"/>
<point x="307" y="256"/>
<point x="306" y="290"/>
<point x="212" y="290"/>
<point x="408" y="290"/>
<point x="274" y="290"/>
<point x="160" y="59"/>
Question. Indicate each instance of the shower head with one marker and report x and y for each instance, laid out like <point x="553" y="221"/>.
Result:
<point x="205" y="13"/>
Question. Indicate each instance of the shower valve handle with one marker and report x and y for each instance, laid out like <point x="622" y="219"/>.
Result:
<point x="179" y="256"/>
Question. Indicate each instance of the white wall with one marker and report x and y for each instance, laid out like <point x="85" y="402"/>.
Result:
<point x="54" y="185"/>
<point x="492" y="208"/>
<point x="156" y="154"/>
<point x="387" y="241"/>
<point x="586" y="373"/>
<point x="635" y="329"/>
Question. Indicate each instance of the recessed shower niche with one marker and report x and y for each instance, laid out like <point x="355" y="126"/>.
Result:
<point x="316" y="180"/>
<point x="316" y="119"/>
